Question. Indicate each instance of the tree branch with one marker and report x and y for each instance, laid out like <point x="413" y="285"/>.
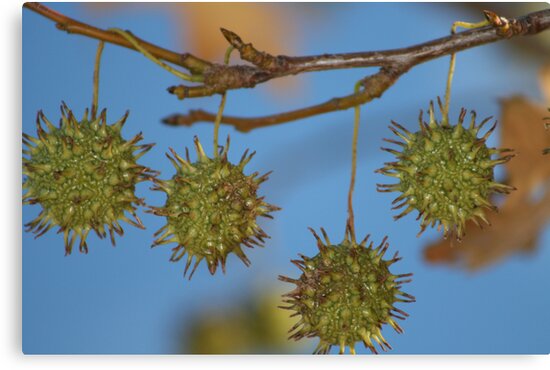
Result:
<point x="393" y="64"/>
<point x="193" y="64"/>
<point x="374" y="87"/>
<point x="218" y="78"/>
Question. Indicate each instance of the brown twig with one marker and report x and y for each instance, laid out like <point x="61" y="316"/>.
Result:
<point x="218" y="78"/>
<point x="393" y="64"/>
<point x="374" y="85"/>
<point x="193" y="64"/>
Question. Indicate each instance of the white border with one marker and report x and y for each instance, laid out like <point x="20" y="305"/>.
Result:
<point x="11" y="356"/>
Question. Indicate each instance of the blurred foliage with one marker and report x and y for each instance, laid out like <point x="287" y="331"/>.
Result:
<point x="524" y="213"/>
<point x="200" y="26"/>
<point x="254" y="326"/>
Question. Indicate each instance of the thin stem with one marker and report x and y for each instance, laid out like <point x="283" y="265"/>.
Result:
<point x="217" y="123"/>
<point x="222" y="105"/>
<point x="132" y="40"/>
<point x="95" y="97"/>
<point x="356" y="121"/>
<point x="450" y="75"/>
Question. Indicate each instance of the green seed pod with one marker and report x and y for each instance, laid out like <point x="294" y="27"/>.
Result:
<point x="345" y="294"/>
<point x="211" y="209"/>
<point x="445" y="173"/>
<point x="83" y="174"/>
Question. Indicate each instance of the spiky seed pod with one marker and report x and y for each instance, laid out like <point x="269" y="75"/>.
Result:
<point x="345" y="294"/>
<point x="211" y="209"/>
<point x="83" y="174"/>
<point x="445" y="173"/>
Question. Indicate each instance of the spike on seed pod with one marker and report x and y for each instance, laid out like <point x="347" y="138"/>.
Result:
<point x="345" y="294"/>
<point x="445" y="173"/>
<point x="83" y="174"/>
<point x="211" y="209"/>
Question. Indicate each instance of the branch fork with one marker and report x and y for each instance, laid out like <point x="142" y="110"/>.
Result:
<point x="218" y="79"/>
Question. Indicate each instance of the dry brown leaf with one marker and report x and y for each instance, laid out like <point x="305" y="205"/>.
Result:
<point x="524" y="212"/>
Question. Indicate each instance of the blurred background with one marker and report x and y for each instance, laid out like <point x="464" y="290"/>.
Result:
<point x="486" y="295"/>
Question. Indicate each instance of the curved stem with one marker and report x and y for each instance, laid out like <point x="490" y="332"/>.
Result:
<point x="95" y="96"/>
<point x="356" y="121"/>
<point x="132" y="40"/>
<point x="221" y="107"/>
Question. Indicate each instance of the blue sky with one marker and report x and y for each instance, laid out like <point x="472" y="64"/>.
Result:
<point x="131" y="299"/>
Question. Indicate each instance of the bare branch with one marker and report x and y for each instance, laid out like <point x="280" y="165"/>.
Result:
<point x="397" y="60"/>
<point x="374" y="87"/>
<point x="64" y="23"/>
<point x="218" y="78"/>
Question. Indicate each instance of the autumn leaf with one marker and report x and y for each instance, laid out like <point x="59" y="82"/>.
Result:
<point x="523" y="213"/>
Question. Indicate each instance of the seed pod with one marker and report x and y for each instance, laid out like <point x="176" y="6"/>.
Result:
<point x="345" y="294"/>
<point x="83" y="174"/>
<point x="211" y="209"/>
<point x="445" y="173"/>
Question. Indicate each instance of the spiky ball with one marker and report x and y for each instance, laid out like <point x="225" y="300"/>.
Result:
<point x="445" y="173"/>
<point x="211" y="209"/>
<point x="345" y="294"/>
<point x="83" y="174"/>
